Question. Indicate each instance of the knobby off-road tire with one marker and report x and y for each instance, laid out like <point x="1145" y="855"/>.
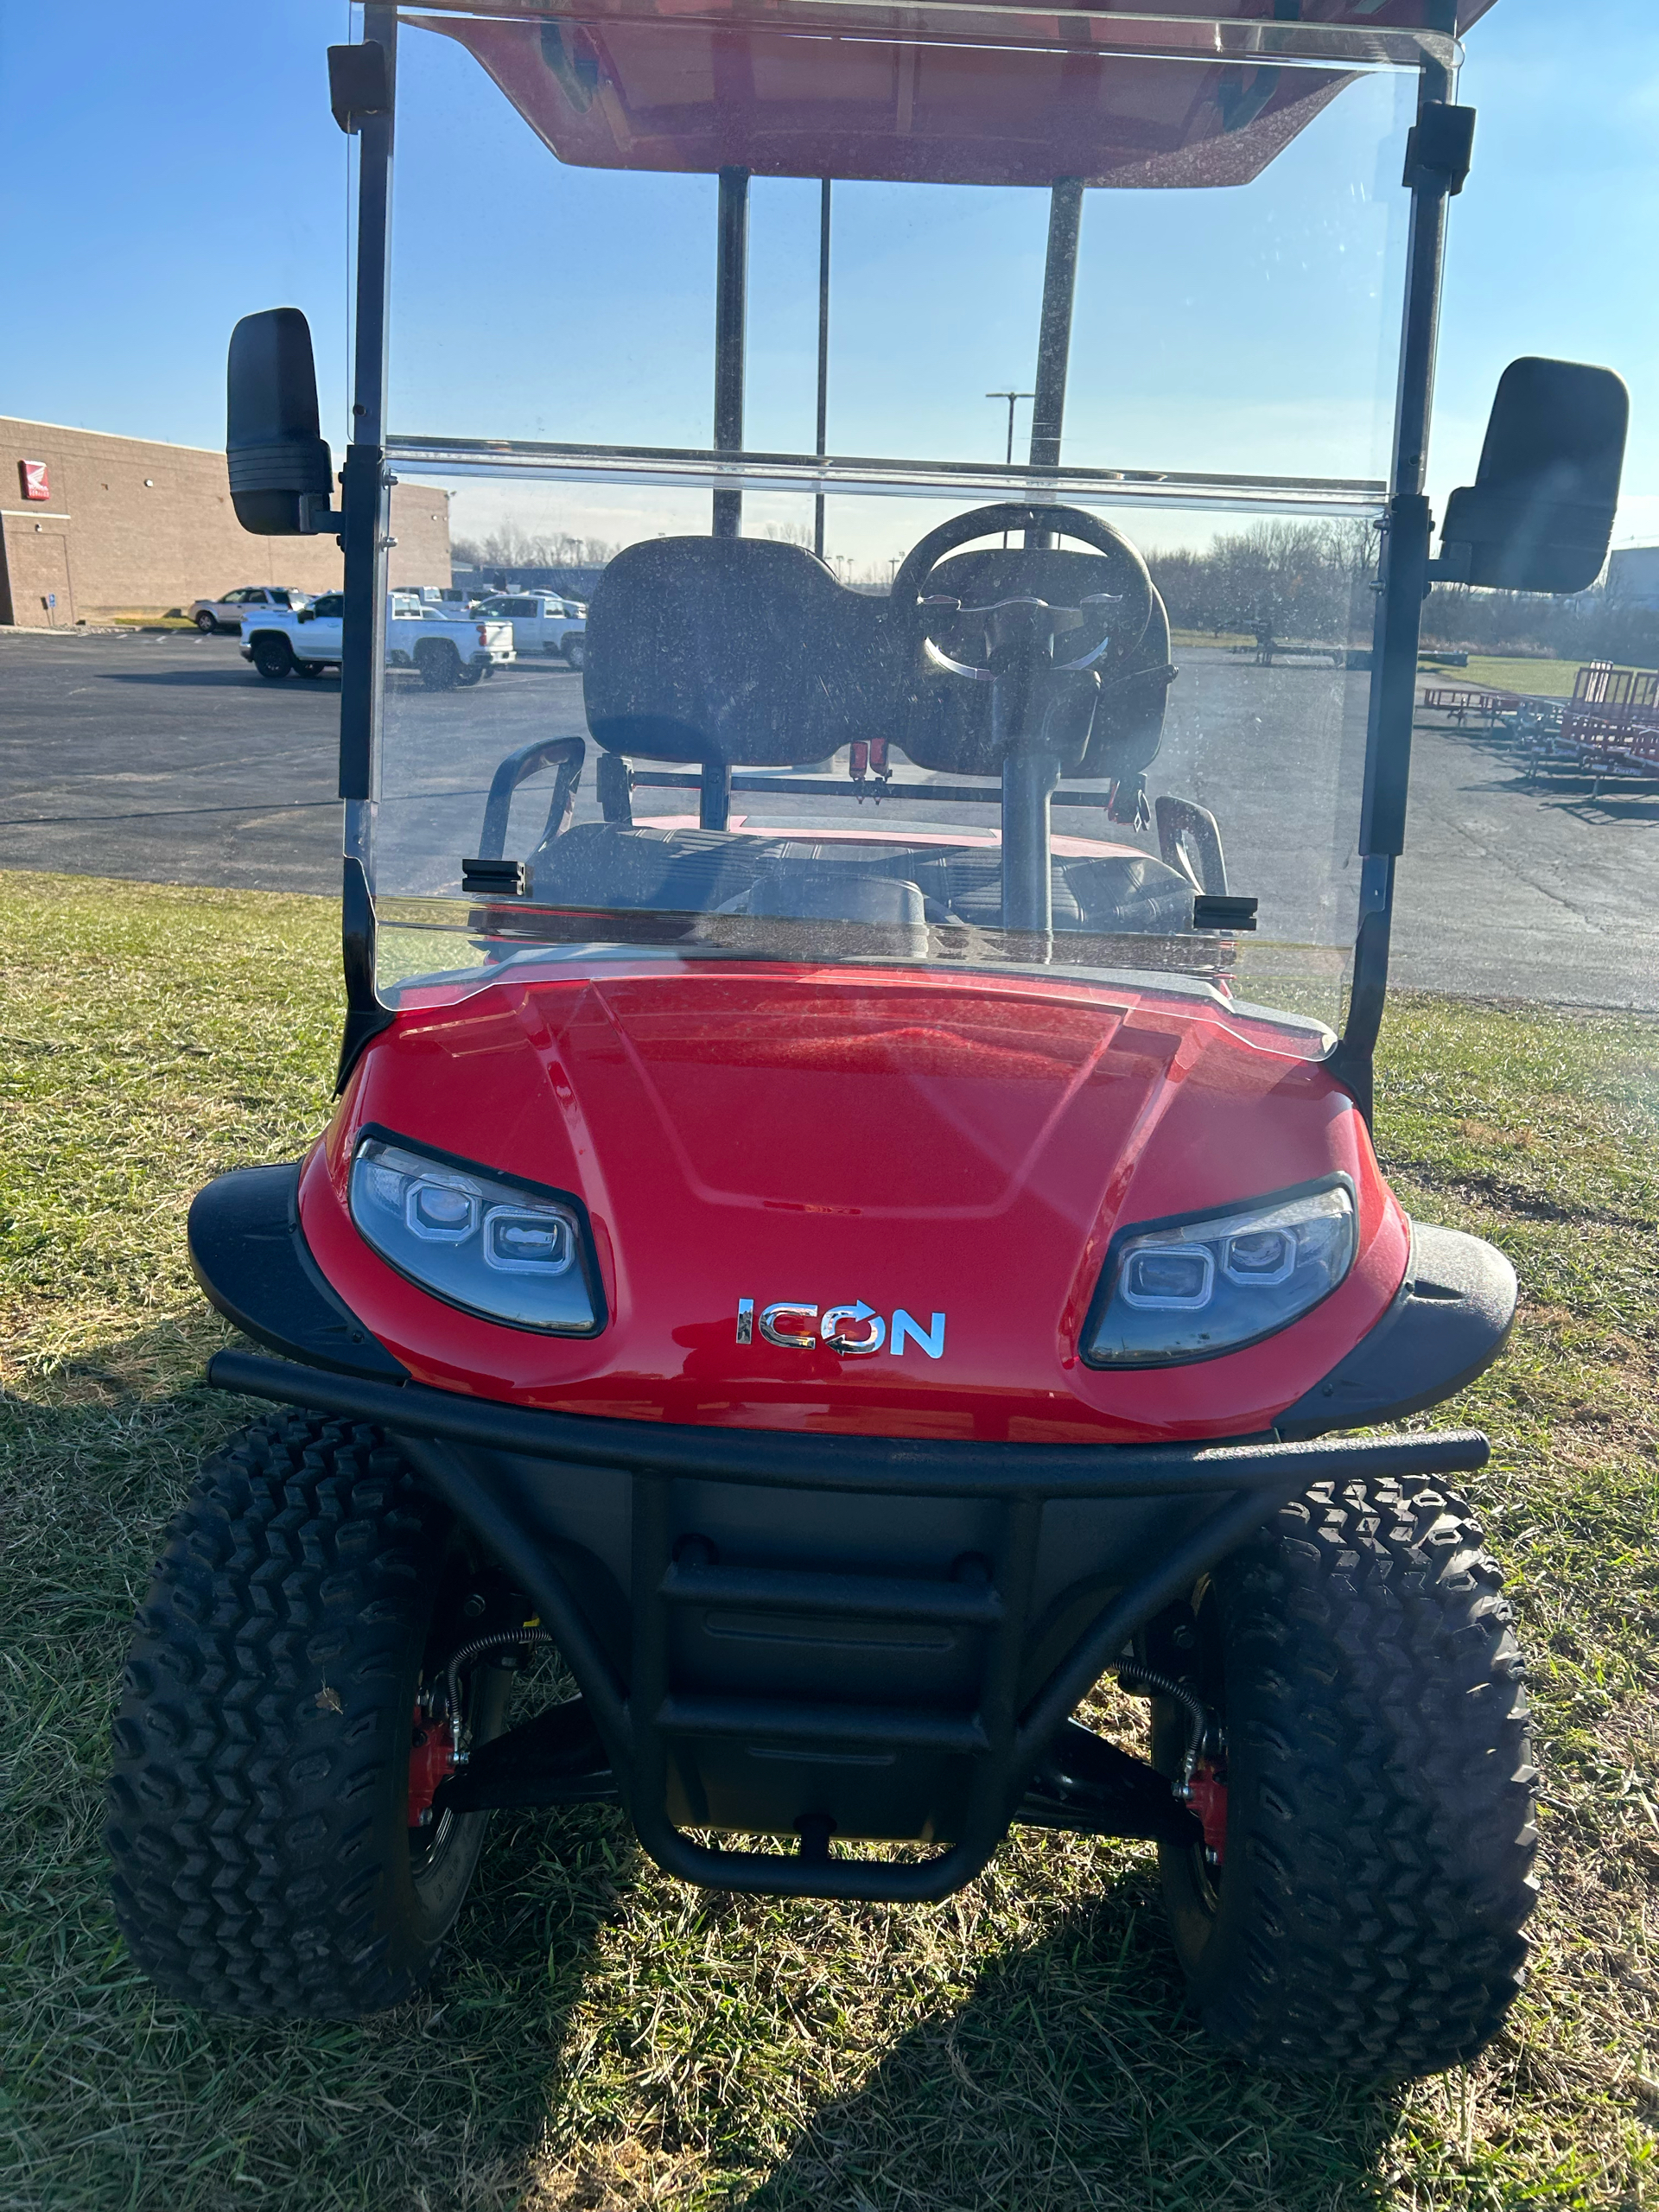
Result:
<point x="1376" y="1872"/>
<point x="263" y="1862"/>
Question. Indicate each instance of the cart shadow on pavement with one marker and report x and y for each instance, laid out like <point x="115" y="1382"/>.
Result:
<point x="1635" y="811"/>
<point x="195" y="679"/>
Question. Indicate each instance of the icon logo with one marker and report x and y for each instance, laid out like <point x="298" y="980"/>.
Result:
<point x="854" y="1331"/>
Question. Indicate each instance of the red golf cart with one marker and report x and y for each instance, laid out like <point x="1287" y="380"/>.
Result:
<point x="851" y="1213"/>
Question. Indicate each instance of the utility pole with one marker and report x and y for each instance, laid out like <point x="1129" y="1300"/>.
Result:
<point x="1013" y="399"/>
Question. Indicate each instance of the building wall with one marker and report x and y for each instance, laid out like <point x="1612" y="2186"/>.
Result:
<point x="1633" y="576"/>
<point x="130" y="525"/>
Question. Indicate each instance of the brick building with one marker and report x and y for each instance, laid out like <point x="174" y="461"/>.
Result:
<point x="93" y="525"/>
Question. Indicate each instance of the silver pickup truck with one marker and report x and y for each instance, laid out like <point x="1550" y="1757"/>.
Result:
<point x="444" y="650"/>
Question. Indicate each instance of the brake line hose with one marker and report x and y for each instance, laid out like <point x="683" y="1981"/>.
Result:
<point x="476" y="1649"/>
<point x="1151" y="1678"/>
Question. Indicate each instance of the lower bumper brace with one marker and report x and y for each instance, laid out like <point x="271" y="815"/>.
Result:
<point x="1026" y="1758"/>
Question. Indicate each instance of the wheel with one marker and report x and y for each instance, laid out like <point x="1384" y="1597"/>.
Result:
<point x="1359" y="1904"/>
<point x="439" y="664"/>
<point x="273" y="658"/>
<point x="312" y="668"/>
<point x="472" y="674"/>
<point x="576" y="651"/>
<point x="205" y="623"/>
<point x="263" y="1860"/>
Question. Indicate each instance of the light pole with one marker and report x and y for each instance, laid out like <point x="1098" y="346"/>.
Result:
<point x="1013" y="399"/>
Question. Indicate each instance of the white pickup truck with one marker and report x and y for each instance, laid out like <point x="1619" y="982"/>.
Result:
<point x="543" y="622"/>
<point x="444" y="650"/>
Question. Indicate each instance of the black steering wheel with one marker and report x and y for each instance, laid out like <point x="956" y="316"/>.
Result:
<point x="1119" y="615"/>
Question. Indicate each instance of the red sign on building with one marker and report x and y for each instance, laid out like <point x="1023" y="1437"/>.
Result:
<point x="36" y="483"/>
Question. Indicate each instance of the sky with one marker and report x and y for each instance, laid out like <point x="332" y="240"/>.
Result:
<point x="167" y="169"/>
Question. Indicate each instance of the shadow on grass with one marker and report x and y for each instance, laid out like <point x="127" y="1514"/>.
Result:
<point x="1074" y="2080"/>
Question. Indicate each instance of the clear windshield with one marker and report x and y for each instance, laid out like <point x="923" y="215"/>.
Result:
<point x="1130" y="744"/>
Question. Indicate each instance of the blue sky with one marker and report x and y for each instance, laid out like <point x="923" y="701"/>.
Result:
<point x="168" y="169"/>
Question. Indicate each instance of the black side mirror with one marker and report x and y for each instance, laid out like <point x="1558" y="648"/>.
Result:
<point x="281" y="474"/>
<point x="1540" y="512"/>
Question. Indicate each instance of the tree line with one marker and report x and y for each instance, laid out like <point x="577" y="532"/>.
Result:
<point x="1313" y="582"/>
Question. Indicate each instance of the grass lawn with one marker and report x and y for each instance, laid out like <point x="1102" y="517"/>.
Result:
<point x="1222" y="640"/>
<point x="604" y="2038"/>
<point x="1544" y="679"/>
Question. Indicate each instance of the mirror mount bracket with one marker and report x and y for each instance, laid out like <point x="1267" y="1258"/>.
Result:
<point x="318" y="516"/>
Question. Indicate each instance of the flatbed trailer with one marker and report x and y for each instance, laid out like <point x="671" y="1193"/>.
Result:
<point x="1462" y="699"/>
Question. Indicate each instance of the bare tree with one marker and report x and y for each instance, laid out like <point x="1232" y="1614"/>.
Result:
<point x="1278" y="581"/>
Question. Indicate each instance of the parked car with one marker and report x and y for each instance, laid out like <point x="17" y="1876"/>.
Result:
<point x="445" y="650"/>
<point x="543" y="622"/>
<point x="232" y="609"/>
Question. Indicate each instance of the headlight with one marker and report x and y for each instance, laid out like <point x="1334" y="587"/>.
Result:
<point x="1188" y="1288"/>
<point x="510" y="1251"/>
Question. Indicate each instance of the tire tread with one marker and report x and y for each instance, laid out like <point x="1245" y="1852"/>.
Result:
<point x="1381" y="1788"/>
<point x="255" y="1744"/>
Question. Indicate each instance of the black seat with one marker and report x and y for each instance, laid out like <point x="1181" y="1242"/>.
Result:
<point x="745" y="652"/>
<point x="736" y="651"/>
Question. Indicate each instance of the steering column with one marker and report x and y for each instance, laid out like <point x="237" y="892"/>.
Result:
<point x="1044" y="664"/>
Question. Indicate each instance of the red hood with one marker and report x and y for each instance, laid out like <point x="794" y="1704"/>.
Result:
<point x="955" y="1145"/>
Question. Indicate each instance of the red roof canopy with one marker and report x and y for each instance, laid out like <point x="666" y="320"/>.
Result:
<point x="1190" y="92"/>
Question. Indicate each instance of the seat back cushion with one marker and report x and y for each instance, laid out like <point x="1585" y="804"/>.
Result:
<point x="738" y="651"/>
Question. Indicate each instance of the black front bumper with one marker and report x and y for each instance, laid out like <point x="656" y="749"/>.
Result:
<point x="875" y="1637"/>
<point x="924" y="1701"/>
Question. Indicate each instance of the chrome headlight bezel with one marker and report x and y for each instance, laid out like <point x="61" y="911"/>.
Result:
<point x="1133" y="1237"/>
<point x="498" y="1202"/>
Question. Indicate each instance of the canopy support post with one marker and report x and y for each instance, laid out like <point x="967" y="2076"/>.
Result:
<point x="1054" y="331"/>
<point x="731" y="317"/>
<point x="1403" y="586"/>
<point x="365" y="505"/>
<point x="821" y="447"/>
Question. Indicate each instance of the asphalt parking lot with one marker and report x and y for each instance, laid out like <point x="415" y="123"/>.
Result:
<point x="165" y="759"/>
